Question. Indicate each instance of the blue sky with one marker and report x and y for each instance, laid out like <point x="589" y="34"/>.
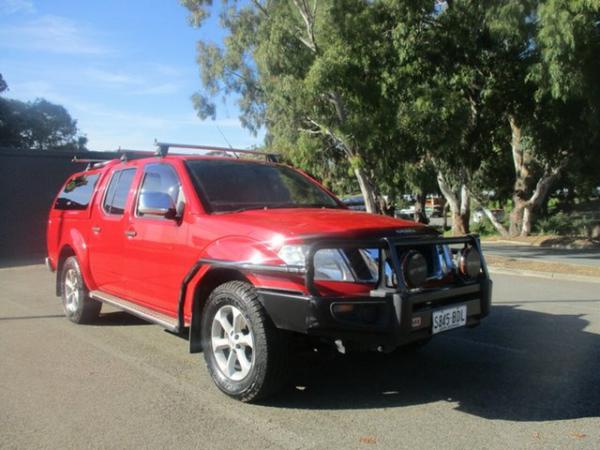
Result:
<point x="124" y="69"/>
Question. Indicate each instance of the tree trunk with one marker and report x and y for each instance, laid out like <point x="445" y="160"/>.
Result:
<point x="521" y="178"/>
<point x="459" y="209"/>
<point x="460" y="224"/>
<point x="516" y="216"/>
<point x="419" y="214"/>
<point x="523" y="213"/>
<point x="539" y="197"/>
<point x="497" y="225"/>
<point x="527" y="220"/>
<point x="465" y="207"/>
<point x="367" y="190"/>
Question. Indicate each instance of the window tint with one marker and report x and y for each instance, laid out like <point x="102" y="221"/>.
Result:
<point x="162" y="178"/>
<point x="77" y="193"/>
<point x="238" y="185"/>
<point x="118" y="189"/>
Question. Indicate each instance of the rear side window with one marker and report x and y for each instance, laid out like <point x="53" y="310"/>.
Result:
<point x="117" y="192"/>
<point x="77" y="193"/>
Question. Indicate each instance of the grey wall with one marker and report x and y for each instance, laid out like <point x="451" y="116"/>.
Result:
<point x="29" y="181"/>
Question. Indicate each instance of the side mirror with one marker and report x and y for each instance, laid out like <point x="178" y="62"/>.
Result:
<point x="156" y="204"/>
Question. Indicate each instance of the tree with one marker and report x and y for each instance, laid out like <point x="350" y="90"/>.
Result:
<point x="311" y="73"/>
<point x="38" y="125"/>
<point x="552" y="104"/>
<point x="481" y="81"/>
<point x="443" y="80"/>
<point x="501" y="96"/>
<point x="3" y="85"/>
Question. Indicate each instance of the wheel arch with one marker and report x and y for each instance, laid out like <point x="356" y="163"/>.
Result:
<point x="65" y="252"/>
<point x="213" y="278"/>
<point x="77" y="247"/>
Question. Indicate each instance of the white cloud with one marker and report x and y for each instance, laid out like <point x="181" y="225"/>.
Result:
<point x="159" y="89"/>
<point x="166" y="70"/>
<point x="8" y="7"/>
<point x="30" y="90"/>
<point x="112" y="78"/>
<point x="52" y="34"/>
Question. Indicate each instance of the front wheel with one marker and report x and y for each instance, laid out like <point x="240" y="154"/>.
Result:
<point x="245" y="353"/>
<point x="77" y="304"/>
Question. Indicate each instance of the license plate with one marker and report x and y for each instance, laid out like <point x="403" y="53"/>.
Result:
<point x="449" y="318"/>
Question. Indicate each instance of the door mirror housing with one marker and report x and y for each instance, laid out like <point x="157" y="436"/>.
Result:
<point x="157" y="204"/>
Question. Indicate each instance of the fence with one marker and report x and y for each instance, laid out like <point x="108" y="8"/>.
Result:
<point x="29" y="181"/>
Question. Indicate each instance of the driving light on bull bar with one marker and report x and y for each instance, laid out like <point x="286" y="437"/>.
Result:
<point x="414" y="269"/>
<point x="469" y="262"/>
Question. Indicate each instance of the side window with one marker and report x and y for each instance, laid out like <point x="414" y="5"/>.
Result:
<point x="162" y="178"/>
<point x="118" y="189"/>
<point x="77" y="193"/>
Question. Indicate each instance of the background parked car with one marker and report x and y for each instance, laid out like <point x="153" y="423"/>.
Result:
<point x="479" y="215"/>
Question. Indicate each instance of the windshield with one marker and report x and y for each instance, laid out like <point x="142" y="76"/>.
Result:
<point x="233" y="185"/>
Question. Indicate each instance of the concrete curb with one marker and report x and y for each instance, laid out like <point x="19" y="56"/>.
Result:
<point x="547" y="275"/>
<point x="509" y="242"/>
<point x="539" y="245"/>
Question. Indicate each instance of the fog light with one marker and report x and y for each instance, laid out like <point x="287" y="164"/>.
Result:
<point x="470" y="262"/>
<point x="414" y="269"/>
<point x="343" y="308"/>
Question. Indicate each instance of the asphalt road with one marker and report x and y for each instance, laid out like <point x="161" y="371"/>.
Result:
<point x="528" y="377"/>
<point x="586" y="257"/>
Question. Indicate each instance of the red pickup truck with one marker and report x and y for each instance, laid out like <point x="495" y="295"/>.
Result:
<point x="249" y="256"/>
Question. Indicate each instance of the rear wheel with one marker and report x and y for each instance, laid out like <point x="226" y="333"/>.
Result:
<point x="245" y="353"/>
<point x="77" y="304"/>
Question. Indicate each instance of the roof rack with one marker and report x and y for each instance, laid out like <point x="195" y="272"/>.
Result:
<point x="92" y="163"/>
<point x="103" y="158"/>
<point x="163" y="150"/>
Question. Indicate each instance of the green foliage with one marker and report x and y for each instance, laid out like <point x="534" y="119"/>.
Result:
<point x="392" y="92"/>
<point x="484" y="228"/>
<point x="3" y="85"/>
<point x="564" y="224"/>
<point x="38" y="125"/>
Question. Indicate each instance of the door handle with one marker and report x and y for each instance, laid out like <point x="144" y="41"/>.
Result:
<point x="96" y="229"/>
<point x="131" y="233"/>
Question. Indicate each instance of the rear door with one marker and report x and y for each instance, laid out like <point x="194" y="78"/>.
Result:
<point x="70" y="210"/>
<point x="157" y="256"/>
<point x="108" y="225"/>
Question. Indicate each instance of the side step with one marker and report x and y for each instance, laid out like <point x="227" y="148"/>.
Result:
<point x="170" y="323"/>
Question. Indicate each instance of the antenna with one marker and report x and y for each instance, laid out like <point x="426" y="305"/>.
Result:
<point x="228" y="143"/>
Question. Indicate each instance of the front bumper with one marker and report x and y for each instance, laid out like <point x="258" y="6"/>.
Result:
<point x="392" y="320"/>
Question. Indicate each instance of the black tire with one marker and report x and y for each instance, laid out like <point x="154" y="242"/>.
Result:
<point x="77" y="304"/>
<point x="268" y="368"/>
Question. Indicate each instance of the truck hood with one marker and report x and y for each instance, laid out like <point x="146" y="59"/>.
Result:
<point x="311" y="222"/>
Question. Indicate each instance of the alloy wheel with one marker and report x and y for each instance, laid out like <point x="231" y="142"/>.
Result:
<point x="232" y="343"/>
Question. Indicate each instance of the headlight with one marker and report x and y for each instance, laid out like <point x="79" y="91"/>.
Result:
<point x="470" y="262"/>
<point x="330" y="264"/>
<point x="293" y="255"/>
<point x="334" y="264"/>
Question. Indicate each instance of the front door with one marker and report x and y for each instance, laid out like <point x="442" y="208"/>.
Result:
<point x="157" y="257"/>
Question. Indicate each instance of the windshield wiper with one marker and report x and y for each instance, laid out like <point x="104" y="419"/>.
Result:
<point x="276" y="206"/>
<point x="236" y="210"/>
<point x="303" y="205"/>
